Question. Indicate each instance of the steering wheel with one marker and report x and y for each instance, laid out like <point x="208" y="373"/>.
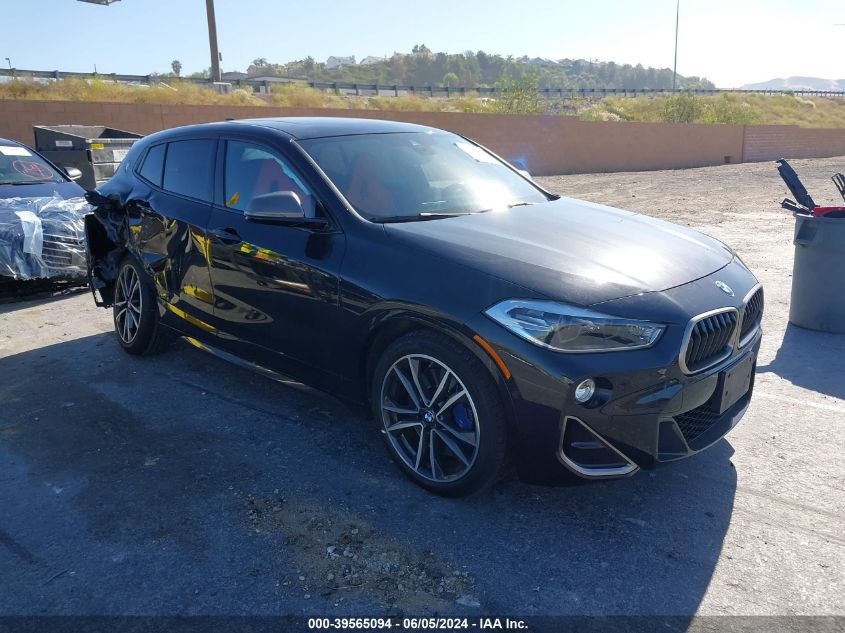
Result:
<point x="457" y="191"/>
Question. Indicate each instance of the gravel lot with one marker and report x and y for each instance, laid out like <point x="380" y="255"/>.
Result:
<point x="183" y="485"/>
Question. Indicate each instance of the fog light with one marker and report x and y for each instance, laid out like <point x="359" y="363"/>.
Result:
<point x="585" y="391"/>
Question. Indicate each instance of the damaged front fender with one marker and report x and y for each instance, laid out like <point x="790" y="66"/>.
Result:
<point x="107" y="239"/>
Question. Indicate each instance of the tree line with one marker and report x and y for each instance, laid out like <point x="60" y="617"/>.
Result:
<point x="421" y="67"/>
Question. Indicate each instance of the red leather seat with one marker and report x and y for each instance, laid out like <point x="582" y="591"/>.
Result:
<point x="366" y="190"/>
<point x="271" y="177"/>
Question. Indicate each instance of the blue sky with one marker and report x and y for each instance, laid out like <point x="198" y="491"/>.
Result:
<point x="728" y="41"/>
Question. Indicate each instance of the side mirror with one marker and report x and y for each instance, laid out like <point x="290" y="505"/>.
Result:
<point x="73" y="173"/>
<point x="525" y="174"/>
<point x="280" y="207"/>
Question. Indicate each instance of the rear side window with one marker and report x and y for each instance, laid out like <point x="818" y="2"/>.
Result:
<point x="189" y="167"/>
<point x="153" y="164"/>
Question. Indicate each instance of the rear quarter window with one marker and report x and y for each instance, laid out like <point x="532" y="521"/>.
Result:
<point x="153" y="164"/>
<point x="189" y="167"/>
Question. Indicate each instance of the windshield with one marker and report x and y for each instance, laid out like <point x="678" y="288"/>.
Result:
<point x="19" y="166"/>
<point x="407" y="174"/>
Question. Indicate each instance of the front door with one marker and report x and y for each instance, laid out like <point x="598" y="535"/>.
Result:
<point x="275" y="287"/>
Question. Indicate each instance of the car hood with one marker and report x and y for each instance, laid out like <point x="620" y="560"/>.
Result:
<point x="571" y="250"/>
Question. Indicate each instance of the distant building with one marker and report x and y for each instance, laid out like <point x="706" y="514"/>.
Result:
<point x="234" y="75"/>
<point x="370" y="60"/>
<point x="275" y="79"/>
<point x="262" y="82"/>
<point x="337" y="62"/>
<point x="535" y="61"/>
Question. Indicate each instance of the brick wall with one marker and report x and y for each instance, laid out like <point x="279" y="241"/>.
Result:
<point x="770" y="142"/>
<point x="542" y="144"/>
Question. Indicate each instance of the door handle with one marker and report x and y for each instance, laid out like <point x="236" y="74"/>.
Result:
<point x="226" y="236"/>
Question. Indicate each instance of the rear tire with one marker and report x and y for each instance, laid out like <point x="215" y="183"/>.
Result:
<point x="136" y="319"/>
<point x="440" y="414"/>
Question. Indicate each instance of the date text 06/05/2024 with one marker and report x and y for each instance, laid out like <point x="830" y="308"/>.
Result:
<point x="415" y="624"/>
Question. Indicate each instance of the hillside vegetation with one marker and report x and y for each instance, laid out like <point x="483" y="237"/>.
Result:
<point x="422" y="67"/>
<point x="516" y="97"/>
<point x="729" y="108"/>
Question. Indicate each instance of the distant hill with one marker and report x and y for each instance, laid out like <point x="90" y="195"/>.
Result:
<point x="422" y="67"/>
<point x="798" y="83"/>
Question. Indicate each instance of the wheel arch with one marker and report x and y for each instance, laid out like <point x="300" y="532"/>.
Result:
<point x="390" y="328"/>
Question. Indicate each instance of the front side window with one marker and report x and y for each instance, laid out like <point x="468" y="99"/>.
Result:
<point x="253" y="170"/>
<point x="188" y="168"/>
<point x="407" y="174"/>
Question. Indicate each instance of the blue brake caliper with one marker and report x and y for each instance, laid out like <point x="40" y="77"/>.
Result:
<point x="462" y="417"/>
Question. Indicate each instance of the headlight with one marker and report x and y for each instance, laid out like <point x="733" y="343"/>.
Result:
<point x="570" y="329"/>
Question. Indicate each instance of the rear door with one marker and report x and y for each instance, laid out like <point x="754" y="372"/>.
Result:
<point x="167" y="222"/>
<point x="275" y="286"/>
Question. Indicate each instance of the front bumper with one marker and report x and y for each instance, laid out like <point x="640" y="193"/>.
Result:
<point x="599" y="446"/>
<point x="650" y="411"/>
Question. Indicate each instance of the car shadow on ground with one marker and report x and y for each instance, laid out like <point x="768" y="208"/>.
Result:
<point x="16" y="294"/>
<point x="812" y="360"/>
<point x="181" y="484"/>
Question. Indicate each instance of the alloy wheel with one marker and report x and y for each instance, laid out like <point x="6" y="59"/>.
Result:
<point x="128" y="303"/>
<point x="430" y="418"/>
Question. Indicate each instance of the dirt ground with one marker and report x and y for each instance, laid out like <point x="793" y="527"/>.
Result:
<point x="183" y="485"/>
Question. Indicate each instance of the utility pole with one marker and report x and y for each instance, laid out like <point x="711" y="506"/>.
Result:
<point x="677" y="22"/>
<point x="212" y="41"/>
<point x="212" y="34"/>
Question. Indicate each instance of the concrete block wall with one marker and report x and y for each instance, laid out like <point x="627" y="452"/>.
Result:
<point x="770" y="142"/>
<point x="544" y="145"/>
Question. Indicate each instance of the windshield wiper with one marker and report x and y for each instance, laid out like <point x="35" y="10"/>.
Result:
<point x="508" y="206"/>
<point x="434" y="215"/>
<point x="28" y="182"/>
<point x="419" y="217"/>
<point x="442" y="214"/>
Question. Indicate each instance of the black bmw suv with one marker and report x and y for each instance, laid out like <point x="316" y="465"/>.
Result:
<point x="479" y="317"/>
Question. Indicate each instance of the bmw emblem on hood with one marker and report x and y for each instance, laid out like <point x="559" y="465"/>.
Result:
<point x="721" y="285"/>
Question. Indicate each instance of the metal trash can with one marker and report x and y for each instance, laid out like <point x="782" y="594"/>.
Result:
<point x="95" y="150"/>
<point x="818" y="274"/>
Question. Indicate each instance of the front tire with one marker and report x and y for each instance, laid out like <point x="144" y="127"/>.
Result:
<point x="440" y="413"/>
<point x="136" y="320"/>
